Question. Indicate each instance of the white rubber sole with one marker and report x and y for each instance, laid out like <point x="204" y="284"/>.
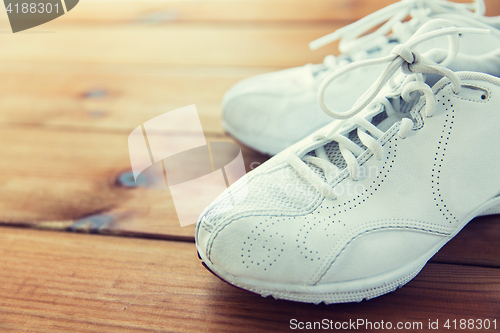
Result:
<point x="341" y="292"/>
<point x="350" y="291"/>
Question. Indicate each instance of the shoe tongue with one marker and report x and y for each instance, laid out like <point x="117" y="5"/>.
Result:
<point x="378" y="117"/>
<point x="384" y="121"/>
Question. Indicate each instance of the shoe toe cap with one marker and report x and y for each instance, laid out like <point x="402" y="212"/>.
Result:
<point x="250" y="248"/>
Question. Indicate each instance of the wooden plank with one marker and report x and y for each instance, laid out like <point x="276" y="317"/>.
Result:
<point x="227" y="11"/>
<point x="476" y="244"/>
<point x="273" y="45"/>
<point x="278" y="45"/>
<point x="65" y="179"/>
<point x="223" y="11"/>
<point x="73" y="181"/>
<point x="59" y="282"/>
<point x="196" y="44"/>
<point x="114" y="97"/>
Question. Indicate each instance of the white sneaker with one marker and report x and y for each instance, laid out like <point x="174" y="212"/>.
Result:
<point x="270" y="112"/>
<point x="357" y="209"/>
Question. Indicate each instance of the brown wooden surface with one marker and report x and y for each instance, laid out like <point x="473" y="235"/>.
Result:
<point x="248" y="11"/>
<point x="228" y="11"/>
<point x="71" y="92"/>
<point x="72" y="180"/>
<point x="53" y="282"/>
<point x="114" y="97"/>
<point x="174" y="45"/>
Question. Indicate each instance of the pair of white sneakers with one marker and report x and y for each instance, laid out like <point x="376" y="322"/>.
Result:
<point x="357" y="208"/>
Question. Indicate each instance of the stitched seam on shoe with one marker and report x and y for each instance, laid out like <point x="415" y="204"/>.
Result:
<point x="343" y="175"/>
<point x="361" y="198"/>
<point x="221" y="227"/>
<point x="417" y="115"/>
<point x="331" y="254"/>
<point x="204" y="226"/>
<point x="374" y="226"/>
<point x="437" y="167"/>
<point x="472" y="100"/>
<point x="420" y="105"/>
<point x="231" y="218"/>
<point x="274" y="168"/>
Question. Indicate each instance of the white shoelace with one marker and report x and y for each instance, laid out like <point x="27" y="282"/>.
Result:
<point x="420" y="11"/>
<point x="415" y="66"/>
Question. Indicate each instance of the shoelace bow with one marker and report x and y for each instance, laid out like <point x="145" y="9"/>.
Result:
<point x="393" y="16"/>
<point x="414" y="65"/>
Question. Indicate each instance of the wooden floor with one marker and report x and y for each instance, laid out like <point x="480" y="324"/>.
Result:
<point x="83" y="251"/>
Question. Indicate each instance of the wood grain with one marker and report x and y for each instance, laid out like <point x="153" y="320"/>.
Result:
<point x="71" y="92"/>
<point x="282" y="42"/>
<point x="228" y="11"/>
<point x="196" y="44"/>
<point x="177" y="44"/>
<point x="76" y="113"/>
<point x="62" y="282"/>
<point x="232" y="11"/>
<point x="112" y="97"/>
<point x="70" y="179"/>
